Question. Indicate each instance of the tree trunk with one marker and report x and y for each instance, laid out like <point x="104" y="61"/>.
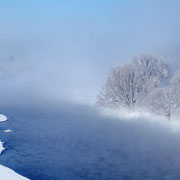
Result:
<point x="169" y="116"/>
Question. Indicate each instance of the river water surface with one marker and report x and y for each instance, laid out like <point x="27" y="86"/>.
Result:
<point x="73" y="142"/>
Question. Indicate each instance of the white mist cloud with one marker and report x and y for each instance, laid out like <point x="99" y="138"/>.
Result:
<point x="69" y="47"/>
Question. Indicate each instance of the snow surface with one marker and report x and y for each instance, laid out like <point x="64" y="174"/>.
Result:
<point x="8" y="130"/>
<point x="1" y="147"/>
<point x="8" y="174"/>
<point x="3" y="118"/>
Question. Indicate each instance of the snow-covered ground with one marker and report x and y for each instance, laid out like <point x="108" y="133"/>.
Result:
<point x="8" y="130"/>
<point x="1" y="147"/>
<point x="6" y="173"/>
<point x="3" y="118"/>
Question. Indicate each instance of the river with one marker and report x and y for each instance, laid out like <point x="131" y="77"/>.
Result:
<point x="74" y="142"/>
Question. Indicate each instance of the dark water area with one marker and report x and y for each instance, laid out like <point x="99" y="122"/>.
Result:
<point x="73" y="142"/>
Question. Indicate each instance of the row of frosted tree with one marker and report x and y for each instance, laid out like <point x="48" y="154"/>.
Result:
<point x="147" y="82"/>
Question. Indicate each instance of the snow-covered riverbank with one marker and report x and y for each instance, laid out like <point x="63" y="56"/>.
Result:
<point x="2" y="119"/>
<point x="1" y="147"/>
<point x="6" y="173"/>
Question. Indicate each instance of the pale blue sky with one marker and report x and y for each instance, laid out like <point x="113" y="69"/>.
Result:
<point x="75" y="42"/>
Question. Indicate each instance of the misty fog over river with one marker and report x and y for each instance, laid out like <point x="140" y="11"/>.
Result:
<point x="52" y="141"/>
<point x="60" y="58"/>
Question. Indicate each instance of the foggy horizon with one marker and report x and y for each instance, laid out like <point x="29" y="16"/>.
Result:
<point x="76" y="43"/>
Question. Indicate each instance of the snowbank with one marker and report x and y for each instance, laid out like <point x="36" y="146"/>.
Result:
<point x="3" y="118"/>
<point x="8" y="174"/>
<point x="1" y="147"/>
<point x="8" y="130"/>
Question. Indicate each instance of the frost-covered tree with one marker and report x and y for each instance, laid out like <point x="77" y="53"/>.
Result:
<point x="152" y="73"/>
<point x="120" y="87"/>
<point x="166" y="100"/>
<point x="130" y="84"/>
<point x="161" y="102"/>
<point x="175" y="91"/>
<point x="175" y="85"/>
